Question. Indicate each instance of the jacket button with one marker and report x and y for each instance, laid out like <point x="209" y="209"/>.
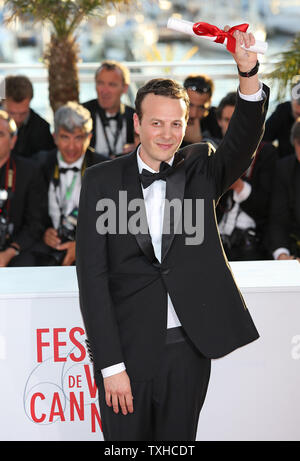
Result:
<point x="165" y="271"/>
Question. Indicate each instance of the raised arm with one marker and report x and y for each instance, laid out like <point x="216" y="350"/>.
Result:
<point x="246" y="127"/>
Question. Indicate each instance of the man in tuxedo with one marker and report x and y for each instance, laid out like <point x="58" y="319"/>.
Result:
<point x="113" y="131"/>
<point x="20" y="206"/>
<point x="62" y="169"/>
<point x="158" y="304"/>
<point x="34" y="133"/>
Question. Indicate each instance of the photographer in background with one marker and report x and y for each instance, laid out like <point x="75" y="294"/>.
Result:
<point x="202" y="122"/>
<point x="20" y="205"/>
<point x="34" y="133"/>
<point x="113" y="131"/>
<point x="284" y="220"/>
<point x="63" y="169"/>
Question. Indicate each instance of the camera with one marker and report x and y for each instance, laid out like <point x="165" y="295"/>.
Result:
<point x="67" y="229"/>
<point x="240" y="238"/>
<point x="66" y="233"/>
<point x="6" y="228"/>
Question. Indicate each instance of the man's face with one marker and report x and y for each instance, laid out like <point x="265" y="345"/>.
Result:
<point x="295" y="109"/>
<point x="161" y="129"/>
<point x="7" y="141"/>
<point x="225" y="118"/>
<point x="199" y="104"/>
<point x="72" y="145"/>
<point x="110" y="87"/>
<point x="17" y="110"/>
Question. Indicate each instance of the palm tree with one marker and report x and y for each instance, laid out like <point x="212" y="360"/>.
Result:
<point x="61" y="55"/>
<point x="286" y="71"/>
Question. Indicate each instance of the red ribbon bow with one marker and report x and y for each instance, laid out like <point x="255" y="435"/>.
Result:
<point x="209" y="30"/>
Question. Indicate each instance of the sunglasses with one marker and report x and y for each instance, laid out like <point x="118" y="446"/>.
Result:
<point x="196" y="84"/>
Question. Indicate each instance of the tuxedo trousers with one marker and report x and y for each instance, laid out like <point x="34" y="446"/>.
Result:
<point x="167" y="407"/>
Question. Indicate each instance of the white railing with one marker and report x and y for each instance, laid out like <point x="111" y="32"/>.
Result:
<point x="219" y="69"/>
<point x="222" y="71"/>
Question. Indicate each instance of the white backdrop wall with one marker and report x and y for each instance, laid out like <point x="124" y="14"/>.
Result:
<point x="47" y="386"/>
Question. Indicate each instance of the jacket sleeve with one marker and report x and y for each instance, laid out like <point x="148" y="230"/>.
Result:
<point x="92" y="273"/>
<point x="236" y="151"/>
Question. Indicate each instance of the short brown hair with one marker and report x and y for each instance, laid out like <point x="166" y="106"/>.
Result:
<point x="18" y="88"/>
<point x="228" y="100"/>
<point x="201" y="83"/>
<point x="161" y="87"/>
<point x="115" y="65"/>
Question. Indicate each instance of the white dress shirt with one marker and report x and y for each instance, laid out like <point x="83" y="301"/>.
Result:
<point x="154" y="197"/>
<point x="111" y="133"/>
<point x="57" y="202"/>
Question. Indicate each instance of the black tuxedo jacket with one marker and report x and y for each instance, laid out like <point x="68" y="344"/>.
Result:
<point x="284" y="219"/>
<point x="93" y="107"/>
<point x="34" y="136"/>
<point x="278" y="127"/>
<point x="123" y="289"/>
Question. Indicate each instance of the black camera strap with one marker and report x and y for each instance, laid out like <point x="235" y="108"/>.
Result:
<point x="56" y="183"/>
<point x="56" y="173"/>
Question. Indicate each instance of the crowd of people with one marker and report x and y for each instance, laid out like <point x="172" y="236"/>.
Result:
<point x="41" y="172"/>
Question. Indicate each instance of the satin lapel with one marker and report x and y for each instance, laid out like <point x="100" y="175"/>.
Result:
<point x="132" y="185"/>
<point x="173" y="214"/>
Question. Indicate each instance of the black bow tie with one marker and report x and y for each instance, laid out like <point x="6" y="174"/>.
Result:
<point x="64" y="170"/>
<point x="147" y="178"/>
<point x="112" y="117"/>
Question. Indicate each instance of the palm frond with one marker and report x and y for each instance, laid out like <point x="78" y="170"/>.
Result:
<point x="287" y="68"/>
<point x="64" y="15"/>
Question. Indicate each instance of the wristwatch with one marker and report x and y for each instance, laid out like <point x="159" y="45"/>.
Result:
<point x="250" y="72"/>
